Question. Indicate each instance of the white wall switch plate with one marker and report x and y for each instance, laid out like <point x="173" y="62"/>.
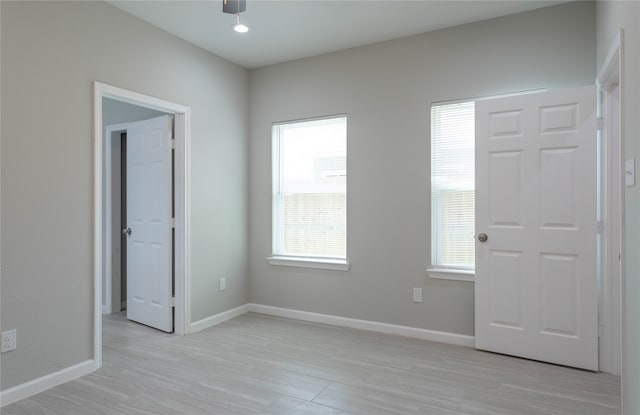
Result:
<point x="630" y="172"/>
<point x="417" y="295"/>
<point x="223" y="284"/>
<point x="8" y="341"/>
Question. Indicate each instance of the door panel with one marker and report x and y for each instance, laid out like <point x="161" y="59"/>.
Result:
<point x="557" y="195"/>
<point x="506" y="177"/>
<point x="536" y="287"/>
<point x="505" y="279"/>
<point x="558" y="287"/>
<point x="149" y="210"/>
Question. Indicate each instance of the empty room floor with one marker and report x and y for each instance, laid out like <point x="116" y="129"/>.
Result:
<point x="257" y="364"/>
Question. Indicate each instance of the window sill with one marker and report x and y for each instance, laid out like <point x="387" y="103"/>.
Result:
<point x="451" y="274"/>
<point x="305" y="262"/>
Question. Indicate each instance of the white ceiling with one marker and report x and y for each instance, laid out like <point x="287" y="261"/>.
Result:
<point x="285" y="30"/>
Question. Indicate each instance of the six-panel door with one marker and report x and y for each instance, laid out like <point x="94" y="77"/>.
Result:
<point x="149" y="246"/>
<point x="536" y="284"/>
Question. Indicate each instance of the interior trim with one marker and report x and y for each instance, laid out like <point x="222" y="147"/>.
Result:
<point x="306" y="262"/>
<point x="182" y="207"/>
<point x="41" y="384"/>
<point x="413" y="332"/>
<point x="216" y="319"/>
<point x="451" y="274"/>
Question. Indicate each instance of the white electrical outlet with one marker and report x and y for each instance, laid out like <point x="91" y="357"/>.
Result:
<point x="8" y="341"/>
<point x="417" y="295"/>
<point x="223" y="284"/>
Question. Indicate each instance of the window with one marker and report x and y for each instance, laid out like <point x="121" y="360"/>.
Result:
<point x="452" y="190"/>
<point x="310" y="193"/>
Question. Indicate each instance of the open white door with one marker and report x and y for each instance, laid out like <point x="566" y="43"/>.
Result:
<point x="149" y="227"/>
<point x="536" y="281"/>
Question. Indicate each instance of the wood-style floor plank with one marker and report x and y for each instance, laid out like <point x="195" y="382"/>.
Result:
<point x="262" y="365"/>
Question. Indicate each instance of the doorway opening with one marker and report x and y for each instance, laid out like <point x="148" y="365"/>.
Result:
<point x="137" y="105"/>
<point x="118" y="117"/>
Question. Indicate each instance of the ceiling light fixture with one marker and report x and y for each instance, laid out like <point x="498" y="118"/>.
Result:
<point x="239" y="27"/>
<point x="236" y="7"/>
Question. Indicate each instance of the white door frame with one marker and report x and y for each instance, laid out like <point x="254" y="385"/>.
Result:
<point x="611" y="211"/>
<point x="182" y="186"/>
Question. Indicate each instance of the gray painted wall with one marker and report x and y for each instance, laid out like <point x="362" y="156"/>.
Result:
<point x="51" y="54"/>
<point x="612" y="16"/>
<point x="386" y="90"/>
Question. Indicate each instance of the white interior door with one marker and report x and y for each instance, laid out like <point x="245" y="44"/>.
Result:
<point x="536" y="281"/>
<point x="149" y="228"/>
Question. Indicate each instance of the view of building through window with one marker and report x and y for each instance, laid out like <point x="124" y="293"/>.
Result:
<point x="309" y="188"/>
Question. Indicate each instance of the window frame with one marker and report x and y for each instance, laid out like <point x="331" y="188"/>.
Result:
<point x="302" y="261"/>
<point x="439" y="271"/>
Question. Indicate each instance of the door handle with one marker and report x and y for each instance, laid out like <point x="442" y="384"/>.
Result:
<point x="126" y="231"/>
<point x="483" y="237"/>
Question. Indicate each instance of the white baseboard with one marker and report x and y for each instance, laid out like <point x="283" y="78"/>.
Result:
<point x="414" y="332"/>
<point x="43" y="383"/>
<point x="205" y="323"/>
<point x="106" y="309"/>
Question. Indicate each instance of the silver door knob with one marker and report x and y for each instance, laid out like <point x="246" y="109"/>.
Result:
<point x="483" y="237"/>
<point x="126" y="231"/>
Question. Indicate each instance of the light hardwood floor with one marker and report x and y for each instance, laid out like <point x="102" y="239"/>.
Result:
<point x="256" y="364"/>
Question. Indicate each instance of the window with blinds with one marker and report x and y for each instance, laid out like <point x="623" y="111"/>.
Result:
<point x="310" y="188"/>
<point x="453" y="185"/>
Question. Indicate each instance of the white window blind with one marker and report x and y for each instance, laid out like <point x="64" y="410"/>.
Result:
<point x="453" y="185"/>
<point x="310" y="188"/>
